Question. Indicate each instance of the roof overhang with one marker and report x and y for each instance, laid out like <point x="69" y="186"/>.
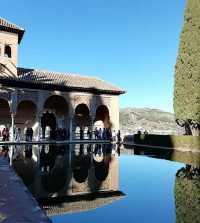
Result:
<point x="12" y="82"/>
<point x="20" y="32"/>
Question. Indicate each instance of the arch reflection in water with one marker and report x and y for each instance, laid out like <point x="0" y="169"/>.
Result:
<point x="67" y="170"/>
<point x="25" y="163"/>
<point x="81" y="163"/>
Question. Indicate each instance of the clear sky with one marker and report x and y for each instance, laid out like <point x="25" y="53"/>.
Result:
<point x="130" y="43"/>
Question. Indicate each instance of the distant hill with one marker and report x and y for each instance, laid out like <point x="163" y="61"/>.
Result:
<point x="155" y="121"/>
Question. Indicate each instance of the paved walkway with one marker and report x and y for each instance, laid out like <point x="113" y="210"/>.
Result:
<point x="16" y="203"/>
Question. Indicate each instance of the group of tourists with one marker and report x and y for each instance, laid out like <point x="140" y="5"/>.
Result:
<point x="107" y="134"/>
<point x="100" y="134"/>
<point x="5" y="134"/>
<point x="62" y="134"/>
<point x="28" y="134"/>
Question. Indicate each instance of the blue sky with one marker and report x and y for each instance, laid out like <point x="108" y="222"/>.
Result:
<point x="130" y="43"/>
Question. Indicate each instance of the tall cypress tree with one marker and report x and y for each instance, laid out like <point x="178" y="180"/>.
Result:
<point x="187" y="71"/>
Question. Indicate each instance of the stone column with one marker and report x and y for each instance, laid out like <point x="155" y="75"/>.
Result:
<point x="71" y="119"/>
<point x="40" y="102"/>
<point x="71" y="128"/>
<point x="92" y="126"/>
<point x="39" y="132"/>
<point x="12" y="137"/>
<point x="13" y="111"/>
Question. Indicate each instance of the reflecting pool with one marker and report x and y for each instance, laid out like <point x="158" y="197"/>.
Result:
<point x="107" y="183"/>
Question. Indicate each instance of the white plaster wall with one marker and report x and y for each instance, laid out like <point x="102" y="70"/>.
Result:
<point x="10" y="39"/>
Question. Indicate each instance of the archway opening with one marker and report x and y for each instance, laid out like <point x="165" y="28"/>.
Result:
<point x="82" y="120"/>
<point x="101" y="170"/>
<point x="55" y="124"/>
<point x="80" y="165"/>
<point x="48" y="122"/>
<point x="8" y="52"/>
<point x="102" y="119"/>
<point x="5" y="117"/>
<point x="26" y="117"/>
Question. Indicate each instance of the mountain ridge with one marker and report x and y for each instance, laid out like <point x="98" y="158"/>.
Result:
<point x="153" y="120"/>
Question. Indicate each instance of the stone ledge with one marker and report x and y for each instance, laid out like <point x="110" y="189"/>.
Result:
<point x="16" y="202"/>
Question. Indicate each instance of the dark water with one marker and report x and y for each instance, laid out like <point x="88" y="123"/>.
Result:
<point x="103" y="183"/>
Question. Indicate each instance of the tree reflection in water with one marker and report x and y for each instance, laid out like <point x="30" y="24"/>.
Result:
<point x="187" y="195"/>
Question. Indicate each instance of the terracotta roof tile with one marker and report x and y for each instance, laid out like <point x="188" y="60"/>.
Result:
<point x="11" y="27"/>
<point x="83" y="203"/>
<point x="6" y="23"/>
<point x="67" y="80"/>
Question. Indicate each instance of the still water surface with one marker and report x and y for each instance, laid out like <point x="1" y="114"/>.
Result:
<point x="105" y="183"/>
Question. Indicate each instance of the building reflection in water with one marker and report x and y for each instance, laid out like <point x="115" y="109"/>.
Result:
<point x="84" y="175"/>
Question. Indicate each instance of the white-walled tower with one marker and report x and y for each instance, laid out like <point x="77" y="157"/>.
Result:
<point x="10" y="38"/>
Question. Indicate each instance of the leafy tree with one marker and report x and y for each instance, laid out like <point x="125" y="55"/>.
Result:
<point x="187" y="71"/>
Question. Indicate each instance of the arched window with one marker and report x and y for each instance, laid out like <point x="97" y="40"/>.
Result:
<point x="7" y="51"/>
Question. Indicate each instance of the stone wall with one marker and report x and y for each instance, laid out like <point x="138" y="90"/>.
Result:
<point x="34" y="100"/>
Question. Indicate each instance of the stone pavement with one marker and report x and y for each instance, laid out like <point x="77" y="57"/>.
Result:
<point x="16" y="203"/>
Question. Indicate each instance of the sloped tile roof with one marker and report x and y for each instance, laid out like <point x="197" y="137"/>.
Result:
<point x="84" y="203"/>
<point x="64" y="81"/>
<point x="4" y="22"/>
<point x="11" y="27"/>
<point x="67" y="80"/>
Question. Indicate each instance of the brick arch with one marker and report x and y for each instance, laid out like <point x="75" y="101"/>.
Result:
<point x="26" y="115"/>
<point x="82" y="99"/>
<point x="82" y="115"/>
<point x="26" y="98"/>
<point x="5" y="116"/>
<point x="103" y="104"/>
<point x="82" y="108"/>
<point x="55" y="104"/>
<point x="102" y="116"/>
<point x="100" y="100"/>
<point x="5" y="96"/>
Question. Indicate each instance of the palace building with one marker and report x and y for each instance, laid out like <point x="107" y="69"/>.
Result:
<point x="39" y="99"/>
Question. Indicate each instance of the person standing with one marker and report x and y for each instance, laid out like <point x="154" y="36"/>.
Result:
<point x="4" y="134"/>
<point x="119" y="136"/>
<point x="31" y="134"/>
<point x="18" y="134"/>
<point x="100" y="134"/>
<point x="114" y="136"/>
<point x="96" y="133"/>
<point x="89" y="133"/>
<point x="104" y="134"/>
<point x="81" y="133"/>
<point x="27" y="134"/>
<point x="7" y="134"/>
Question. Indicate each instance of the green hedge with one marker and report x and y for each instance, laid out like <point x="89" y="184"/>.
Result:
<point x="185" y="142"/>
